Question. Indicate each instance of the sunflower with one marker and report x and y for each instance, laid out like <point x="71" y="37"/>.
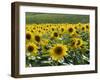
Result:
<point x="58" y="52"/>
<point x="70" y="30"/>
<point x="32" y="49"/>
<point x="37" y="38"/>
<point x="77" y="42"/>
<point x="52" y="29"/>
<point x="54" y="35"/>
<point x="79" y="24"/>
<point x="62" y="29"/>
<point x="29" y="36"/>
<point x="87" y="27"/>
<point x="83" y="28"/>
<point x="75" y="34"/>
<point x="28" y="27"/>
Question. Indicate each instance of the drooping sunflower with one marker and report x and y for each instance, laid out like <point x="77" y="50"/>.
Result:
<point x="77" y="42"/>
<point x="75" y="35"/>
<point x="58" y="52"/>
<point x="31" y="49"/>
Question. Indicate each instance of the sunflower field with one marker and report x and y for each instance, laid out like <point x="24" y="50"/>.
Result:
<point x="57" y="39"/>
<point x="54" y="44"/>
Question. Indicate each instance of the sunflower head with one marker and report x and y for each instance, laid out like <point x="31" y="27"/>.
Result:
<point x="31" y="48"/>
<point x="62" y="29"/>
<point x="75" y="34"/>
<point x="54" y="34"/>
<point x="37" y="38"/>
<point x="58" y="52"/>
<point x="29" y="36"/>
<point x="70" y="30"/>
<point x="79" y="24"/>
<point x="77" y="42"/>
<point x="87" y="27"/>
<point x="83" y="28"/>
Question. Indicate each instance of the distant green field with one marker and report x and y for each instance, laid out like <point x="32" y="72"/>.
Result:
<point x="55" y="18"/>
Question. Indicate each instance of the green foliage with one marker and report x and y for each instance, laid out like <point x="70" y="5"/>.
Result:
<point x="55" y="18"/>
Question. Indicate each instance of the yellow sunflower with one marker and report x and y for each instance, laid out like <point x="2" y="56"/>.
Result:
<point x="31" y="48"/>
<point x="55" y="35"/>
<point x="62" y="29"/>
<point x="77" y="42"/>
<point x="83" y="28"/>
<point x="37" y="38"/>
<point x="54" y="28"/>
<point x="29" y="36"/>
<point x="87" y="27"/>
<point x="58" y="52"/>
<point x="79" y="24"/>
<point x="70" y="30"/>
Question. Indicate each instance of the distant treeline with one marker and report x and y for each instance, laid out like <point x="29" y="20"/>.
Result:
<point x="55" y="18"/>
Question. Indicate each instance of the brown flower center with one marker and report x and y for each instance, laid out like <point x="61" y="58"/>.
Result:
<point x="87" y="26"/>
<point x="62" y="29"/>
<point x="52" y="29"/>
<point x="39" y="31"/>
<point x="58" y="50"/>
<point x="83" y="28"/>
<point x="30" y="48"/>
<point x="73" y="43"/>
<point x="55" y="34"/>
<point x="78" y="42"/>
<point x="28" y="36"/>
<point x="75" y="27"/>
<point x="37" y="38"/>
<point x="70" y="30"/>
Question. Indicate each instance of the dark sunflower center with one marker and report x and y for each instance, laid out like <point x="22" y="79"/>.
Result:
<point x="37" y="38"/>
<point x="81" y="46"/>
<point x="82" y="28"/>
<point x="78" y="42"/>
<point x="28" y="36"/>
<point x="62" y="29"/>
<point x="75" y="27"/>
<point x="73" y="43"/>
<point x="52" y="29"/>
<point x="87" y="26"/>
<point x="55" y="34"/>
<point x="70" y="30"/>
<point x="39" y="31"/>
<point x="31" y="30"/>
<point x="30" y="48"/>
<point x="58" y="50"/>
